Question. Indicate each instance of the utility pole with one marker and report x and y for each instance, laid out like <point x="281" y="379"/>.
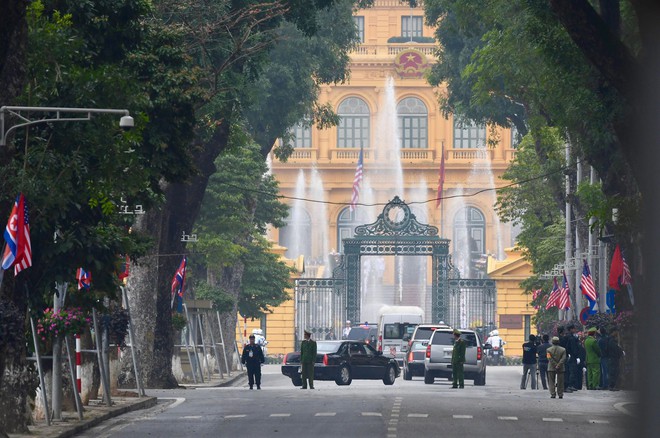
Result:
<point x="568" y="247"/>
<point x="577" y="299"/>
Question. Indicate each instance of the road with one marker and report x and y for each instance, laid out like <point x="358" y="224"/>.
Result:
<point x="371" y="409"/>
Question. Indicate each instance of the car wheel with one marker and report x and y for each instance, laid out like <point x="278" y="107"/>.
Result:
<point x="390" y="375"/>
<point x="344" y="376"/>
<point x="481" y="379"/>
<point x="407" y="375"/>
<point x="428" y="378"/>
<point x="296" y="380"/>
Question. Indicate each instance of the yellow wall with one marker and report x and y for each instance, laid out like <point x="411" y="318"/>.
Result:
<point x="511" y="299"/>
<point x="279" y="324"/>
<point x="371" y="64"/>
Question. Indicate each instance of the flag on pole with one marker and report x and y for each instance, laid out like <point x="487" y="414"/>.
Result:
<point x="616" y="269"/>
<point x="357" y="179"/>
<point x="587" y="283"/>
<point x="554" y="295"/>
<point x="535" y="295"/>
<point x="441" y="180"/>
<point x="620" y="274"/>
<point x="84" y="279"/>
<point x="18" y="248"/>
<point x="564" y="301"/>
<point x="178" y="281"/>
<point x="125" y="269"/>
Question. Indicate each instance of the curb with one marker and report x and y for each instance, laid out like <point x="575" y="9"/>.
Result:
<point x="143" y="403"/>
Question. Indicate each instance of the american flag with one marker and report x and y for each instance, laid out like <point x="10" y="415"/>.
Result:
<point x="441" y="180"/>
<point x="626" y="278"/>
<point x="554" y="295"/>
<point x="178" y="280"/>
<point x="564" y="301"/>
<point x="587" y="283"/>
<point x="84" y="279"/>
<point x="357" y="179"/>
<point x="535" y="295"/>
<point x="18" y="250"/>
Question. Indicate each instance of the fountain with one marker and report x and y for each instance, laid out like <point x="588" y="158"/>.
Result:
<point x="319" y="213"/>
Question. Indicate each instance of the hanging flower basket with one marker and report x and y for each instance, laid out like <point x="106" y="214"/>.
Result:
<point x="59" y="324"/>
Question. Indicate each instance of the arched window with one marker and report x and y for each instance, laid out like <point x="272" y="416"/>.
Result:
<point x="413" y="123"/>
<point x="346" y="223"/>
<point x="468" y="135"/>
<point x="468" y="241"/>
<point x="296" y="235"/>
<point x="353" y="129"/>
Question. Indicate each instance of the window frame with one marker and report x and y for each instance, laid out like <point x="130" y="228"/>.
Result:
<point x="359" y="24"/>
<point x="412" y="26"/>
<point x="472" y="136"/>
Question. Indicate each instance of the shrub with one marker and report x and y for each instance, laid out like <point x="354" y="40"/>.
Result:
<point x="59" y="324"/>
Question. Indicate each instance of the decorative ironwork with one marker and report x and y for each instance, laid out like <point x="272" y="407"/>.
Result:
<point x="396" y="220"/>
<point x="324" y="304"/>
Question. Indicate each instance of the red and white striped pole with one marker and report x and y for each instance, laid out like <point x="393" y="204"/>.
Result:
<point x="78" y="365"/>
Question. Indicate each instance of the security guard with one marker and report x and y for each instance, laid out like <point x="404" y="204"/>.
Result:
<point x="307" y="359"/>
<point x="593" y="360"/>
<point x="556" y="355"/>
<point x="253" y="357"/>
<point x="458" y="360"/>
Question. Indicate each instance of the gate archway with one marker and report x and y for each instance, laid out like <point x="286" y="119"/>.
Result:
<point x="324" y="304"/>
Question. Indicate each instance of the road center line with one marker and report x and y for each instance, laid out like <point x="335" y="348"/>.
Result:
<point x="280" y="415"/>
<point x="508" y="418"/>
<point x="466" y="417"/>
<point x="325" y="414"/>
<point x="372" y="414"/>
<point x="418" y="415"/>
<point x="192" y="417"/>
<point x="235" y="416"/>
<point x="553" y="419"/>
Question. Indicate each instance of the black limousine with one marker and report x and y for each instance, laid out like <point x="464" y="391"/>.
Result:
<point x="343" y="361"/>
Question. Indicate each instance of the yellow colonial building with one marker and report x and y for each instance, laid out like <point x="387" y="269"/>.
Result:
<point x="392" y="133"/>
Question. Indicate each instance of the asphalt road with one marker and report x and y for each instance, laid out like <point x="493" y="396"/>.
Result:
<point x="371" y="409"/>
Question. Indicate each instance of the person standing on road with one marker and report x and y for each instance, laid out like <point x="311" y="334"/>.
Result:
<point x="593" y="360"/>
<point x="604" y="358"/>
<point x="573" y="362"/>
<point x="556" y="355"/>
<point x="614" y="354"/>
<point x="458" y="360"/>
<point x="307" y="359"/>
<point x="543" y="360"/>
<point x="529" y="362"/>
<point x="253" y="357"/>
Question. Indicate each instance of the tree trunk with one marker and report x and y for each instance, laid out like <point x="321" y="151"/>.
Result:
<point x="18" y="380"/>
<point x="13" y="34"/>
<point x="150" y="280"/>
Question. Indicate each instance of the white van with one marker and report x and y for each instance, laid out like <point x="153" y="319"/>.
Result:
<point x="396" y="325"/>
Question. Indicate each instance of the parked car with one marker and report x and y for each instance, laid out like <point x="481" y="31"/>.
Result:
<point x="423" y="332"/>
<point x="413" y="363"/>
<point x="343" y="361"/>
<point x="396" y="325"/>
<point x="366" y="332"/>
<point x="437" y="362"/>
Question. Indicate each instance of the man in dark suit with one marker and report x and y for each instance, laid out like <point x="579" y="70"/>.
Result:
<point x="253" y="357"/>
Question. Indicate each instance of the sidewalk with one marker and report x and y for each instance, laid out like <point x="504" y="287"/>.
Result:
<point x="97" y="412"/>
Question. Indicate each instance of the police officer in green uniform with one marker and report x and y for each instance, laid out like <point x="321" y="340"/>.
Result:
<point x="593" y="360"/>
<point x="458" y="360"/>
<point x="307" y="359"/>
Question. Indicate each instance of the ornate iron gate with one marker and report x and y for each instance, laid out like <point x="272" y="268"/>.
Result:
<point x="472" y="304"/>
<point x="320" y="308"/>
<point x="323" y="304"/>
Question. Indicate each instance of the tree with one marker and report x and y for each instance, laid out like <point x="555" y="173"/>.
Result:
<point x="230" y="43"/>
<point x="75" y="176"/>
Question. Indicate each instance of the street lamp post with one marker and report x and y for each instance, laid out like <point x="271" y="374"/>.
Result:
<point x="55" y="114"/>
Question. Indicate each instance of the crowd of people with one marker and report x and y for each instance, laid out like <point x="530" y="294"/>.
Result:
<point x="573" y="360"/>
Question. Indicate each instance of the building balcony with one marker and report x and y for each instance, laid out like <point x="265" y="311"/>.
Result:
<point x="389" y="50"/>
<point x="396" y="4"/>
<point x="351" y="155"/>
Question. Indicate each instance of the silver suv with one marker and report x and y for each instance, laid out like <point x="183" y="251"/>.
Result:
<point x="438" y="356"/>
